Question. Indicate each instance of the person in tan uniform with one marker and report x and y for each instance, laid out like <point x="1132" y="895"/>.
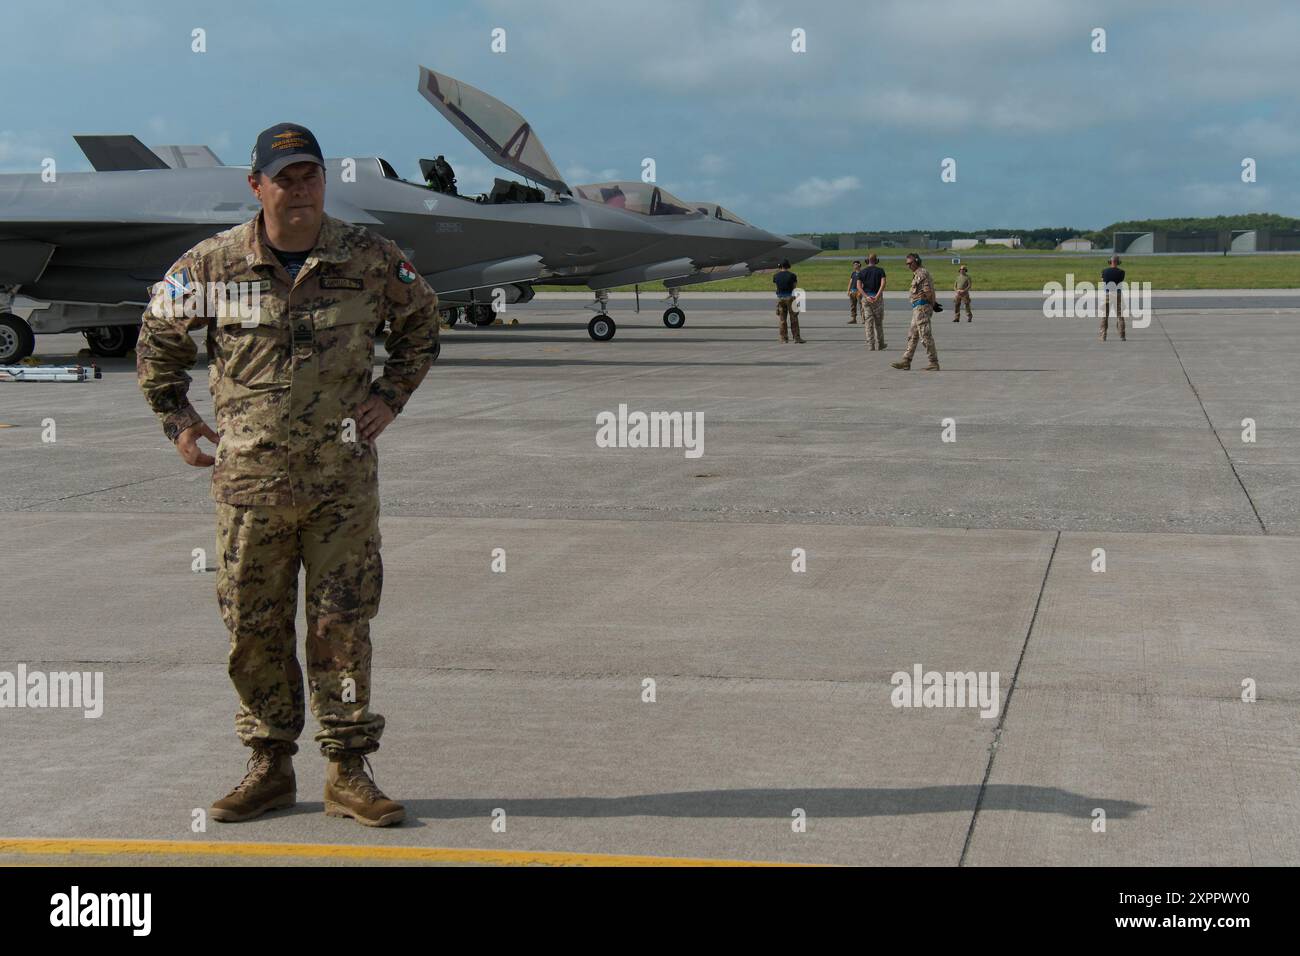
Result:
<point x="961" y="293"/>
<point x="921" y="295"/>
<point x="295" y="476"/>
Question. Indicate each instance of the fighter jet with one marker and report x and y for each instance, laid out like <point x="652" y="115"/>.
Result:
<point x="697" y="240"/>
<point x="91" y="245"/>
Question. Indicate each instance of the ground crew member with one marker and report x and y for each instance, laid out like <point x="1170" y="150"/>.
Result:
<point x="854" y="294"/>
<point x="961" y="293"/>
<point x="921" y="295"/>
<point x="296" y="476"/>
<point x="871" y="286"/>
<point x="1112" y="281"/>
<point x="786" y="281"/>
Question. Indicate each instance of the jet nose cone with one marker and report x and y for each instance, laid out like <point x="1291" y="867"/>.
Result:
<point x="796" y="250"/>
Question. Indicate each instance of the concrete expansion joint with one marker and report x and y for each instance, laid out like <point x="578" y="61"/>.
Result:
<point x="1006" y="705"/>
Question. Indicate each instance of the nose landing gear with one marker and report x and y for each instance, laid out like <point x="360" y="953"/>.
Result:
<point x="674" y="317"/>
<point x="602" y="327"/>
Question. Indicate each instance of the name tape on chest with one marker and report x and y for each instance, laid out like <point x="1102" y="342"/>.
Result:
<point x="340" y="282"/>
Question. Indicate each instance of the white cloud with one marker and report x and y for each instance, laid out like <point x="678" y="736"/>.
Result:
<point x="21" y="153"/>
<point x="711" y="164"/>
<point x="822" y="192"/>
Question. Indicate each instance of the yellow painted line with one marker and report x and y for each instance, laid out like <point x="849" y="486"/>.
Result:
<point x="330" y="851"/>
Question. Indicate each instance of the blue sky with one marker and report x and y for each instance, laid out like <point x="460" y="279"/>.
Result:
<point x="847" y="135"/>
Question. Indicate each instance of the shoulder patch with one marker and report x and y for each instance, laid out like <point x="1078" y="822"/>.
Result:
<point x="178" y="283"/>
<point x="406" y="272"/>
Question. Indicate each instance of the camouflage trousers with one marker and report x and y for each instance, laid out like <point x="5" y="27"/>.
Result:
<point x="261" y="547"/>
<point x="853" y="306"/>
<point x="785" y="311"/>
<point x="919" y="331"/>
<point x="957" y="299"/>
<point x="1119" y="312"/>
<point x="873" y="317"/>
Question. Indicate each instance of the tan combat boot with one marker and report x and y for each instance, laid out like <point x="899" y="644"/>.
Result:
<point x="268" y="785"/>
<point x="350" y="792"/>
<point x="904" y="365"/>
<point x="932" y="367"/>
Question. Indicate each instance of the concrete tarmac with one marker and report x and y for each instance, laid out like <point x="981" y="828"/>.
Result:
<point x="523" y="695"/>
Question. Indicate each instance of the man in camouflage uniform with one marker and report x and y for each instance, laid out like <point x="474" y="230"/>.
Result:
<point x="854" y="294"/>
<point x="871" y="288"/>
<point x="921" y="295"/>
<point x="296" y="468"/>
<point x="786" y="282"/>
<point x="961" y="293"/>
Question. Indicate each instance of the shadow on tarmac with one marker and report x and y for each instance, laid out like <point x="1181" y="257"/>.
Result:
<point x="776" y="803"/>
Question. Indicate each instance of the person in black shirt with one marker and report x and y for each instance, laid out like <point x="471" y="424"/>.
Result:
<point x="871" y="286"/>
<point x="785" y="282"/>
<point x="1112" y="282"/>
<point x="853" y="294"/>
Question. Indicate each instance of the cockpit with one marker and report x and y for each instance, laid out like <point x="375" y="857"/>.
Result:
<point x="644" y="199"/>
<point x="718" y="212"/>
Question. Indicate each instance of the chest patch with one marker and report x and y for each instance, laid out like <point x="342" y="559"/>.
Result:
<point x="340" y="282"/>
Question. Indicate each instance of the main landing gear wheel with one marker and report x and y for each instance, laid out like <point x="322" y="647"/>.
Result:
<point x="111" y="341"/>
<point x="17" y="341"/>
<point x="674" y="318"/>
<point x="601" y="328"/>
<point x="481" y="315"/>
<point x="453" y="316"/>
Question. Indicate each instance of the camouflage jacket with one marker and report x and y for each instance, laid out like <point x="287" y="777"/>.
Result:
<point x="288" y="376"/>
<point x="922" y="285"/>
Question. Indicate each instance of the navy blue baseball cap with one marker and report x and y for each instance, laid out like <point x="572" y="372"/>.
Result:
<point x="284" y="144"/>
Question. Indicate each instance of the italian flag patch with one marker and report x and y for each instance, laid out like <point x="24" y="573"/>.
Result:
<point x="406" y="272"/>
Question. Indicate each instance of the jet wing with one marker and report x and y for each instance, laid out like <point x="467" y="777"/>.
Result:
<point x="110" y="153"/>
<point x="497" y="131"/>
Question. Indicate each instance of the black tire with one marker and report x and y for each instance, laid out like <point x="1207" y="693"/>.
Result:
<point x="17" y="341"/>
<point x="112" y="341"/>
<point x="481" y="315"/>
<point x="453" y="316"/>
<point x="601" y="328"/>
<point x="674" y="318"/>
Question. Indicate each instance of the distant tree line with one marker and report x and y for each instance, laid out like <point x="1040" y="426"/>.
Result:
<point x="1051" y="237"/>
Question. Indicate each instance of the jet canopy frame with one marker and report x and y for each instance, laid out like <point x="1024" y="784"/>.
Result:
<point x="495" y="130"/>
